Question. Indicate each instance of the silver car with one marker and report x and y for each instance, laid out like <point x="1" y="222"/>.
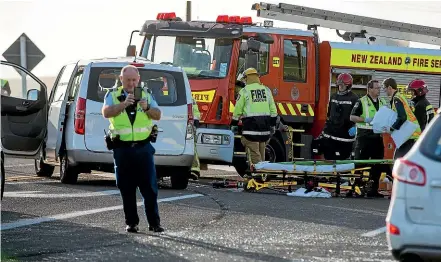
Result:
<point x="76" y="127"/>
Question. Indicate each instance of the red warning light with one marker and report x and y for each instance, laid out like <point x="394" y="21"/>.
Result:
<point x="222" y="19"/>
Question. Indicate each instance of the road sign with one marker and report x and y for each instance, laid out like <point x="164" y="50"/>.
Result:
<point x="32" y="53"/>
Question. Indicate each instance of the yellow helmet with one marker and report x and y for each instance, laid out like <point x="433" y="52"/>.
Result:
<point x="250" y="71"/>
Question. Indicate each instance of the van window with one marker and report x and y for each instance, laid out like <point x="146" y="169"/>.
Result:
<point x="167" y="87"/>
<point x="63" y="82"/>
<point x="431" y="144"/>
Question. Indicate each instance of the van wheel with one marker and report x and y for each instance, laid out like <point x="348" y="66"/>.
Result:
<point x="42" y="169"/>
<point x="68" y="173"/>
<point x="179" y="181"/>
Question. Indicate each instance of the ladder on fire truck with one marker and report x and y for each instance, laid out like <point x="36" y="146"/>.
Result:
<point x="348" y="22"/>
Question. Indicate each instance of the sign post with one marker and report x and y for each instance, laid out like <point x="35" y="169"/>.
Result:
<point x="25" y="53"/>
<point x="23" y="63"/>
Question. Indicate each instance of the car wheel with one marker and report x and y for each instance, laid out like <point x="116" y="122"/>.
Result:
<point x="42" y="169"/>
<point x="179" y="181"/>
<point x="68" y="173"/>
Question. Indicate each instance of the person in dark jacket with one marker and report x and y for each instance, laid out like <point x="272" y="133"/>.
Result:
<point x="423" y="110"/>
<point x="339" y="132"/>
<point x="400" y="105"/>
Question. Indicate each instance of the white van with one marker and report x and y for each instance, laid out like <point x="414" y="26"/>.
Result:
<point x="76" y="127"/>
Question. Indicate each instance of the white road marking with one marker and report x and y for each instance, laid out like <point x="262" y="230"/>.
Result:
<point x="32" y="182"/>
<point x="39" y="220"/>
<point x="19" y="165"/>
<point x="224" y="168"/>
<point x="375" y="232"/>
<point x="40" y="194"/>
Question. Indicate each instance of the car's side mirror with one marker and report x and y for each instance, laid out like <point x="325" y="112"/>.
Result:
<point x="253" y="45"/>
<point x="32" y="94"/>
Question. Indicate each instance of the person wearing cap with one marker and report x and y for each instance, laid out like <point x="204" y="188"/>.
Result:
<point x="6" y="89"/>
<point x="422" y="108"/>
<point x="337" y="138"/>
<point x="255" y="104"/>
<point x="400" y="105"/>
<point x="369" y="145"/>
<point x="196" y="166"/>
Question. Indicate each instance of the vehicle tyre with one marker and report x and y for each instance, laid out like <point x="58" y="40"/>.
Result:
<point x="179" y="181"/>
<point x="68" y="173"/>
<point x="42" y="169"/>
<point x="274" y="151"/>
<point x="410" y="258"/>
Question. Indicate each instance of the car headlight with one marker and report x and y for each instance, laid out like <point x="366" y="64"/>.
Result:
<point x="215" y="139"/>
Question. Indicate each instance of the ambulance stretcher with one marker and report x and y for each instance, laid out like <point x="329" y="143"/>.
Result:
<point x="348" y="176"/>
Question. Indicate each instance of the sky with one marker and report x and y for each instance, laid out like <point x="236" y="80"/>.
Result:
<point x="67" y="30"/>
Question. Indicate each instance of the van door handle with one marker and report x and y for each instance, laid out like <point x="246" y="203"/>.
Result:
<point x="436" y="183"/>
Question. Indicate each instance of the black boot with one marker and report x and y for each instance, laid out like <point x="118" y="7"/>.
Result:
<point x="156" y="229"/>
<point x="132" y="228"/>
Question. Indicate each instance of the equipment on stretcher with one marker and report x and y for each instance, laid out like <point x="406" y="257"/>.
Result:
<point x="351" y="176"/>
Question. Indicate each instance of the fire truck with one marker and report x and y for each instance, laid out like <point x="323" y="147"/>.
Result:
<point x="299" y="69"/>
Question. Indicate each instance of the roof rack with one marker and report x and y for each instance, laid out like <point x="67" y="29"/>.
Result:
<point x="348" y="22"/>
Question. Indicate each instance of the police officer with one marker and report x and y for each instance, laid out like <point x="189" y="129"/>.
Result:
<point x="400" y="105"/>
<point x="338" y="134"/>
<point x="5" y="88"/>
<point x="369" y="145"/>
<point x="423" y="110"/>
<point x="130" y="126"/>
<point x="255" y="104"/>
<point x="195" y="167"/>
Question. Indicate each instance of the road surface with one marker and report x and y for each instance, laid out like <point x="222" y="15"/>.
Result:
<point x="44" y="220"/>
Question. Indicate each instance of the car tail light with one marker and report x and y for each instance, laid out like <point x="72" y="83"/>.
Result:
<point x="408" y="172"/>
<point x="392" y="229"/>
<point x="190" y="121"/>
<point x="80" y="116"/>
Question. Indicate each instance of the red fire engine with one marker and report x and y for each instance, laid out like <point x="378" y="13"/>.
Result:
<point x="298" y="68"/>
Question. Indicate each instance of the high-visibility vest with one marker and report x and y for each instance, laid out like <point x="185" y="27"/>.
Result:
<point x="196" y="113"/>
<point x="121" y="125"/>
<point x="410" y="115"/>
<point x="369" y="110"/>
<point x="259" y="102"/>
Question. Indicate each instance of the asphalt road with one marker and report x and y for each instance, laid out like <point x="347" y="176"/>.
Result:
<point x="43" y="220"/>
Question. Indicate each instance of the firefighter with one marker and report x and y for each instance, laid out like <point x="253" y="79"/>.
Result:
<point x="255" y="104"/>
<point x="400" y="105"/>
<point x="423" y="110"/>
<point x="338" y="135"/>
<point x="195" y="167"/>
<point x="6" y="89"/>
<point x="369" y="145"/>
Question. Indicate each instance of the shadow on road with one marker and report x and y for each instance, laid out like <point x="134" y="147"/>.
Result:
<point x="67" y="241"/>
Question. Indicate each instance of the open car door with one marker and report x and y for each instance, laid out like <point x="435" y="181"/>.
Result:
<point x="24" y="111"/>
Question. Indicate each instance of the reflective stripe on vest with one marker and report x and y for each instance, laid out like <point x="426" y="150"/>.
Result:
<point x="369" y="110"/>
<point x="121" y="125"/>
<point x="257" y="101"/>
<point x="410" y="115"/>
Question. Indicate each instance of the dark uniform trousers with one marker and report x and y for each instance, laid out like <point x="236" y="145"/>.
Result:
<point x="371" y="147"/>
<point x="336" y="150"/>
<point x="135" y="168"/>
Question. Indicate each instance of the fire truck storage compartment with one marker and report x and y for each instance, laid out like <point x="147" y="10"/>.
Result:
<point x="433" y="82"/>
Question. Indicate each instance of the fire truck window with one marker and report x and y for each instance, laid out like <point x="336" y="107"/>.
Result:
<point x="294" y="61"/>
<point x="263" y="58"/>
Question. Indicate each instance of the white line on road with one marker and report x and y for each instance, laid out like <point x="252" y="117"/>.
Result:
<point x="19" y="165"/>
<point x="39" y="220"/>
<point x="39" y="194"/>
<point x="375" y="232"/>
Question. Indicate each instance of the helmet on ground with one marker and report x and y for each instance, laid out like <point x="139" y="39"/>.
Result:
<point x="418" y="86"/>
<point x="345" y="79"/>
